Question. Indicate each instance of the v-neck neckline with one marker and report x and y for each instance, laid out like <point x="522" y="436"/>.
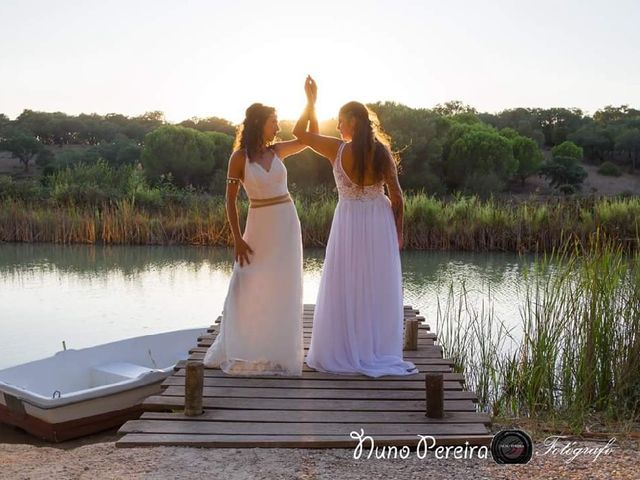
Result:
<point x="270" y="167"/>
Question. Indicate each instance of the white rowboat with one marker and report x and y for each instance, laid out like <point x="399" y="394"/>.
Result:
<point x="78" y="392"/>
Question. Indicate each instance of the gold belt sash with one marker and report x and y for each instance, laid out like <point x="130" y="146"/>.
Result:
<point x="265" y="202"/>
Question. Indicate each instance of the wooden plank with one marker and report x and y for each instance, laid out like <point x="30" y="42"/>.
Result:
<point x="310" y="374"/>
<point x="417" y="361"/>
<point x="312" y="306"/>
<point x="308" y="324"/>
<point x="328" y="393"/>
<point x="423" y="336"/>
<point x="322" y="416"/>
<point x="285" y="382"/>
<point x="169" y="402"/>
<point x="421" y="363"/>
<point x="287" y="441"/>
<point x="430" y="351"/>
<point x="277" y="428"/>
<point x="307" y="342"/>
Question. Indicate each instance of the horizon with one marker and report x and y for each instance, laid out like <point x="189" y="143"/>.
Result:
<point x="321" y="120"/>
<point x="204" y="59"/>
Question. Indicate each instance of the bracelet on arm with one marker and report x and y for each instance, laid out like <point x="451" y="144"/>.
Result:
<point x="233" y="180"/>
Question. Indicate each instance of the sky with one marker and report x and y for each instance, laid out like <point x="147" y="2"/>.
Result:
<point x="215" y="58"/>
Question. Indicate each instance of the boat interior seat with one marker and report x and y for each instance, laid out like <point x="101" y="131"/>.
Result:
<point x="117" y="372"/>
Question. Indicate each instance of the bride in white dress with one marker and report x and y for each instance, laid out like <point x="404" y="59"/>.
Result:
<point x="358" y="319"/>
<point x="261" y="329"/>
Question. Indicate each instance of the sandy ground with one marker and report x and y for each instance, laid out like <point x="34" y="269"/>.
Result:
<point x="96" y="457"/>
<point x="594" y="184"/>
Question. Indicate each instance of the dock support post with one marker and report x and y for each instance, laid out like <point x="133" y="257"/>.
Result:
<point x="411" y="334"/>
<point x="194" y="382"/>
<point x="434" y="389"/>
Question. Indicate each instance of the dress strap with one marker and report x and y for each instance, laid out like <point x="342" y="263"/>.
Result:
<point x="339" y="154"/>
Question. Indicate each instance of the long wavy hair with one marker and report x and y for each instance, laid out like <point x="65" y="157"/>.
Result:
<point x="249" y="133"/>
<point x="369" y="143"/>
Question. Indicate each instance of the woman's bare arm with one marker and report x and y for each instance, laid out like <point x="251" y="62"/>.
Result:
<point x="324" y="145"/>
<point x="235" y="174"/>
<point x="396" y="196"/>
<point x="288" y="148"/>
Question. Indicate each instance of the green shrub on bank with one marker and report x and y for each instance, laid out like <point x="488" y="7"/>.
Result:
<point x="609" y="169"/>
<point x="191" y="157"/>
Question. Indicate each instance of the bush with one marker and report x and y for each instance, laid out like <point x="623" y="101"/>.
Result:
<point x="567" y="149"/>
<point x="568" y="189"/>
<point x="122" y="151"/>
<point x="95" y="183"/>
<point x="45" y="158"/>
<point x="484" y="184"/>
<point x="24" y="190"/>
<point x="563" y="171"/>
<point x="609" y="169"/>
<point x="190" y="156"/>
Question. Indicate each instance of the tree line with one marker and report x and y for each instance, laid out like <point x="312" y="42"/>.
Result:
<point x="448" y="148"/>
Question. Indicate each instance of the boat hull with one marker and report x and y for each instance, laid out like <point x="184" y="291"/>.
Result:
<point x="78" y="419"/>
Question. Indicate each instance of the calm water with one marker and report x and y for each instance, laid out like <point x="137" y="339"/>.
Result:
<point x="87" y="295"/>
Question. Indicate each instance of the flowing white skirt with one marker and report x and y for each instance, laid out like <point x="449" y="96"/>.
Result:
<point x="261" y="330"/>
<point x="358" y="320"/>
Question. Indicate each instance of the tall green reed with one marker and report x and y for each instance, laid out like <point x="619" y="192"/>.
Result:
<point x="576" y="350"/>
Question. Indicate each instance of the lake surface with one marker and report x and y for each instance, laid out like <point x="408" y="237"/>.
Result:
<point x="88" y="295"/>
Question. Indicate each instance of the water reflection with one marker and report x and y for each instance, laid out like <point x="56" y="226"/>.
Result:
<point x="486" y="277"/>
<point x="88" y="295"/>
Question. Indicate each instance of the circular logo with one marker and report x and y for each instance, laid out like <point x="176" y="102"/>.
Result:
<point x="511" y="446"/>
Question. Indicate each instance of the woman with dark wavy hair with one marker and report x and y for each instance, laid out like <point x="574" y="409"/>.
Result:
<point x="358" y="319"/>
<point x="261" y="329"/>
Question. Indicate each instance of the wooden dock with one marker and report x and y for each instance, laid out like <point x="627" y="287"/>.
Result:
<point x="317" y="410"/>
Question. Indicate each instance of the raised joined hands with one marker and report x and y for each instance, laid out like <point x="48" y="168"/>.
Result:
<point x="311" y="89"/>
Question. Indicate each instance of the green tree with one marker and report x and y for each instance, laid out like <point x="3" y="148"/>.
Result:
<point x="22" y="146"/>
<point x="509" y="133"/>
<point x="629" y="141"/>
<point x="39" y="124"/>
<point x="567" y="149"/>
<point x="4" y="123"/>
<point x="121" y="151"/>
<point x="453" y="107"/>
<point x="480" y="152"/>
<point x="611" y="114"/>
<point x="528" y="155"/>
<point x="557" y="123"/>
<point x="594" y="140"/>
<point x="191" y="157"/>
<point x="418" y="136"/>
<point x="210" y="124"/>
<point x="563" y="171"/>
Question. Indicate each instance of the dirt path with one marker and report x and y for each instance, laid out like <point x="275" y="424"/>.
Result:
<point x="97" y="457"/>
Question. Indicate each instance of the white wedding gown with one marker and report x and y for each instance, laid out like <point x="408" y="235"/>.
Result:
<point x="358" y="320"/>
<point x="261" y="330"/>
